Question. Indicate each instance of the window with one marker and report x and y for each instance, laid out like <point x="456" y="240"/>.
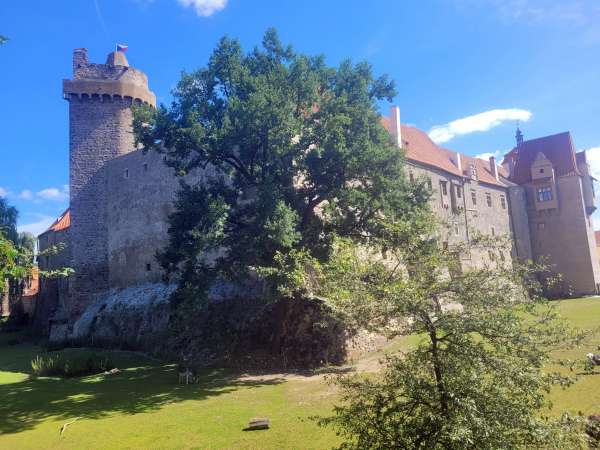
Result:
<point x="148" y="267"/>
<point x="488" y="199"/>
<point x="126" y="173"/>
<point x="145" y="167"/>
<point x="502" y="255"/>
<point x="541" y="170"/>
<point x="429" y="183"/>
<point x="456" y="230"/>
<point x="544" y="194"/>
<point x="411" y="177"/>
<point x="503" y="202"/>
<point x="458" y="191"/>
<point x="493" y="230"/>
<point x="444" y="186"/>
<point x="541" y="226"/>
<point x="473" y="196"/>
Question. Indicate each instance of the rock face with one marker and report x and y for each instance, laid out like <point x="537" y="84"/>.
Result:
<point x="137" y="318"/>
<point x="230" y="330"/>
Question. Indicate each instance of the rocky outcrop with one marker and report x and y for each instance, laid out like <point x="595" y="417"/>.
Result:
<point x="136" y="318"/>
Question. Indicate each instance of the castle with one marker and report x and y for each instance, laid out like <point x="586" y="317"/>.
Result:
<point x="541" y="195"/>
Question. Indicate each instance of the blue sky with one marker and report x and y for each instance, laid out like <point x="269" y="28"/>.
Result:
<point x="466" y="70"/>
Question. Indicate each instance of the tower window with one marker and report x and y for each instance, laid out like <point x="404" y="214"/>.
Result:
<point x="544" y="194"/>
<point x="126" y="173"/>
<point x="488" y="199"/>
<point x="503" y="202"/>
<point x="474" y="196"/>
<point x="148" y="267"/>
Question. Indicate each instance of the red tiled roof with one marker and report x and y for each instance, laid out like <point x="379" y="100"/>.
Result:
<point x="557" y="148"/>
<point x="421" y="149"/>
<point x="62" y="223"/>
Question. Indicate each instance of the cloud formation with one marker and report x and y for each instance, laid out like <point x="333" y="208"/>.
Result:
<point x="50" y="194"/>
<point x="3" y="192"/>
<point x="479" y="122"/>
<point x="37" y="227"/>
<point x="593" y="159"/>
<point x="488" y="155"/>
<point x="204" y="8"/>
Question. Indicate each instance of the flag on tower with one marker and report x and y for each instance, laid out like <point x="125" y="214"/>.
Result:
<point x="121" y="48"/>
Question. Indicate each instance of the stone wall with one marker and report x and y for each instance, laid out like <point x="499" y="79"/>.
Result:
<point x="564" y="237"/>
<point x="463" y="216"/>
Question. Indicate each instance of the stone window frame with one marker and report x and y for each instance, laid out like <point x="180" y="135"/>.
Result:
<point x="458" y="191"/>
<point x="488" y="199"/>
<point x="544" y="194"/>
<point x="444" y="187"/>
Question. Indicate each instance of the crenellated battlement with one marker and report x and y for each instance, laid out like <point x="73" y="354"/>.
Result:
<point x="115" y="79"/>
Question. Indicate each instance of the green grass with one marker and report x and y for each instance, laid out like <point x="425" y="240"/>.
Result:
<point x="144" y="407"/>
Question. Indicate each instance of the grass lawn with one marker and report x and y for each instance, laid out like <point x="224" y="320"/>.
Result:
<point x="144" y="407"/>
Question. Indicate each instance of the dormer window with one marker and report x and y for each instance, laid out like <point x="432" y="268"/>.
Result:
<point x="544" y="194"/>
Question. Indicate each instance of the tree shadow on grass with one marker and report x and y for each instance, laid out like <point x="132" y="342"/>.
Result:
<point x="25" y="404"/>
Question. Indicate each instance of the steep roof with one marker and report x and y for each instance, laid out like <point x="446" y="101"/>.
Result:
<point x="61" y="223"/>
<point x="558" y="148"/>
<point x="421" y="149"/>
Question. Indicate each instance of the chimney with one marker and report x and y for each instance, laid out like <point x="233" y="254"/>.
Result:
<point x="395" y="126"/>
<point x="459" y="163"/>
<point x="494" y="168"/>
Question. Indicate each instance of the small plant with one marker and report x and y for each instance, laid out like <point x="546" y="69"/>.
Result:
<point x="69" y="365"/>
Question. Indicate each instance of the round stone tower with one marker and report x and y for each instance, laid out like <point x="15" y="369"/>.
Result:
<point x="100" y="129"/>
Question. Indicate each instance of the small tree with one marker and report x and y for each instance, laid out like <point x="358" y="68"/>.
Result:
<point x="475" y="379"/>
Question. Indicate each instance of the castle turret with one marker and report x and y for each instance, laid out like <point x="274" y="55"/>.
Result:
<point x="100" y="128"/>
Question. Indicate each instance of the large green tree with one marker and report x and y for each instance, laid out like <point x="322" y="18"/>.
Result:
<point x="476" y="378"/>
<point x="8" y="220"/>
<point x="293" y="154"/>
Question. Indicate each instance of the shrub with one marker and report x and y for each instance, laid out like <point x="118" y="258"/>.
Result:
<point x="71" y="364"/>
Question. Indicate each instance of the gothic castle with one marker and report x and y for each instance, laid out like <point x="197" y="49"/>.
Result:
<point x="541" y="195"/>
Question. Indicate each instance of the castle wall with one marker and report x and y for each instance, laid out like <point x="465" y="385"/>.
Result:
<point x="463" y="217"/>
<point x="564" y="237"/>
<point x="517" y="201"/>
<point x="141" y="191"/>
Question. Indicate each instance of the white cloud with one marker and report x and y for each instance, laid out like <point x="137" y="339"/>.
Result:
<point x="3" y="192"/>
<point x="488" y="155"/>
<point x="37" y="227"/>
<point x="26" y="195"/>
<point x="53" y="194"/>
<point x="479" y="122"/>
<point x="204" y="8"/>
<point x="593" y="159"/>
<point x="50" y="194"/>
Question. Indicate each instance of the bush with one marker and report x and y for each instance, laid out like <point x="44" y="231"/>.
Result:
<point x="71" y="365"/>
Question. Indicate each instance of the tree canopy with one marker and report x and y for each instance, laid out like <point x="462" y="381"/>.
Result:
<point x="292" y="153"/>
